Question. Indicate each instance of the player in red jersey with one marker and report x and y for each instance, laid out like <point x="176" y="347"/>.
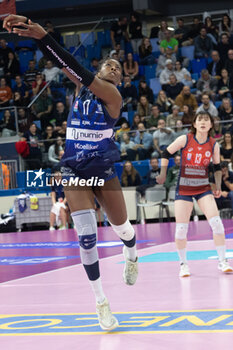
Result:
<point x="197" y="150"/>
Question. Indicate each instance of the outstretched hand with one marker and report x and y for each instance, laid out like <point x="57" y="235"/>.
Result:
<point x="32" y="30"/>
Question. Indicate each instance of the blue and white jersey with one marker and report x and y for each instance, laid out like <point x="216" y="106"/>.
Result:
<point x="89" y="135"/>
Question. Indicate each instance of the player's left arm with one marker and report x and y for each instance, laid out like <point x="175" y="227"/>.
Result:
<point x="217" y="170"/>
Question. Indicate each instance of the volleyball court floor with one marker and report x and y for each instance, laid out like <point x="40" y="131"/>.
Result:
<point x="46" y="301"/>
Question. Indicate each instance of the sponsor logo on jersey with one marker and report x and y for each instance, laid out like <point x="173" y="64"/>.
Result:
<point x="88" y="135"/>
<point x="189" y="156"/>
<point x="100" y="123"/>
<point x="207" y="154"/>
<point x="76" y="106"/>
<point x="75" y="122"/>
<point x="86" y="122"/>
<point x="199" y="148"/>
<point x="206" y="162"/>
<point x="190" y="149"/>
<point x="86" y="146"/>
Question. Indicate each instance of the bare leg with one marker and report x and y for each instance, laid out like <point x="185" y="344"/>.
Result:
<point x="183" y="211"/>
<point x="63" y="216"/>
<point x="52" y="219"/>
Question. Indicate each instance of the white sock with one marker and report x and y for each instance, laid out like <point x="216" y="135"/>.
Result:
<point x="98" y="290"/>
<point x="182" y="255"/>
<point x="221" y="250"/>
<point x="132" y="253"/>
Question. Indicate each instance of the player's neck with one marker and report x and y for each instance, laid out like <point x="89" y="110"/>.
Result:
<point x="201" y="137"/>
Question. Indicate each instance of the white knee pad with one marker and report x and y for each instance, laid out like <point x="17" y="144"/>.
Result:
<point x="85" y="223"/>
<point x="124" y="231"/>
<point x="181" y="231"/>
<point x="216" y="225"/>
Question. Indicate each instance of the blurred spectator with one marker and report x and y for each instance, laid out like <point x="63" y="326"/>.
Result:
<point x="162" y="30"/>
<point x="173" y="88"/>
<point x="145" y="52"/>
<point x="165" y="104"/>
<point x="188" y="115"/>
<point x="166" y="72"/>
<point x="51" y="73"/>
<point x="5" y="93"/>
<point x="182" y="74"/>
<point x="226" y="186"/>
<point x="186" y="98"/>
<point x="127" y="147"/>
<point x="194" y="31"/>
<point x="225" y="112"/>
<point x="215" y="67"/>
<point x="58" y="213"/>
<point x="42" y="108"/>
<point x="162" y="138"/>
<point x="226" y="25"/>
<point x="124" y="128"/>
<point x="203" y="45"/>
<point x="5" y="173"/>
<point x="161" y="64"/>
<point x="12" y="67"/>
<point x="130" y="66"/>
<point x="18" y="100"/>
<point x="48" y="137"/>
<point x="119" y="33"/>
<point x="34" y="159"/>
<point x="143" y="142"/>
<point x="53" y="32"/>
<point x="136" y="121"/>
<point x="179" y="130"/>
<point x="60" y="114"/>
<point x="24" y="120"/>
<point x="145" y="90"/>
<point x="169" y="44"/>
<point x="135" y="30"/>
<point x="62" y="131"/>
<point x="229" y="62"/>
<point x="207" y="105"/>
<point x="39" y="84"/>
<point x="4" y="51"/>
<point x="30" y="74"/>
<point x="130" y="176"/>
<point x="7" y="124"/>
<point x="144" y="107"/>
<point x="152" y="122"/>
<point x="21" y="88"/>
<point x="223" y="47"/>
<point x="129" y="94"/>
<point x="181" y="33"/>
<point x="225" y="85"/>
<point x="53" y="152"/>
<point x="226" y="148"/>
<point x="211" y="29"/>
<point x="207" y="84"/>
<point x="173" y="173"/>
<point x="217" y="129"/>
<point x="94" y="65"/>
<point x="172" y="118"/>
<point x="42" y="63"/>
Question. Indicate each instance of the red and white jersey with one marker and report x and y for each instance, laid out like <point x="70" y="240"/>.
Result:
<point x="195" y="160"/>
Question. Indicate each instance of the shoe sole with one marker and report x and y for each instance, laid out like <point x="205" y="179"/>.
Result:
<point x="187" y="275"/>
<point x="227" y="270"/>
<point x="124" y="278"/>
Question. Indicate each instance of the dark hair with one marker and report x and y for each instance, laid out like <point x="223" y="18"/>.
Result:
<point x="193" y="129"/>
<point x="124" y="175"/>
<point x="229" y="22"/>
<point x="224" y="143"/>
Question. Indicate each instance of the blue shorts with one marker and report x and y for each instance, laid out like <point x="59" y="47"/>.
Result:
<point x="190" y="198"/>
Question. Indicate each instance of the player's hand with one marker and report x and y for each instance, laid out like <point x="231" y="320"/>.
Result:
<point x="13" y="20"/>
<point x="31" y="30"/>
<point x="160" y="179"/>
<point x="217" y="193"/>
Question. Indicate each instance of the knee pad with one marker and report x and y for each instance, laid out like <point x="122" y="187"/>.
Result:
<point x="216" y="225"/>
<point x="124" y="231"/>
<point x="181" y="231"/>
<point x="85" y="223"/>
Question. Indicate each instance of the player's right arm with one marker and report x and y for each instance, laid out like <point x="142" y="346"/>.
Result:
<point x="175" y="146"/>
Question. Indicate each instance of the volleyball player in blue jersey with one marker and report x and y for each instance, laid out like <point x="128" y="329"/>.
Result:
<point x="90" y="152"/>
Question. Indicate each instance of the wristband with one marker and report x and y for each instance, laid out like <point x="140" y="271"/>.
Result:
<point x="166" y="154"/>
<point x="63" y="59"/>
<point x="217" y="167"/>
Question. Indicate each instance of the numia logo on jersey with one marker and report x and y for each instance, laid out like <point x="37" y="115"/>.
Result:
<point x="95" y="135"/>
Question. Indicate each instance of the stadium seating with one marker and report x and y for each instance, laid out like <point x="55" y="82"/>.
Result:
<point x="188" y="51"/>
<point x="155" y="85"/>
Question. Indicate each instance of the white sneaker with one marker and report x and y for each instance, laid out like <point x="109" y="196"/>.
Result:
<point x="184" y="270"/>
<point x="51" y="228"/>
<point x="106" y="319"/>
<point x="62" y="228"/>
<point x="130" y="272"/>
<point x="224" y="266"/>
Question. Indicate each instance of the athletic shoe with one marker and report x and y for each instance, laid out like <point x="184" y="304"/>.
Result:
<point x="51" y="228"/>
<point x="184" y="270"/>
<point x="224" y="266"/>
<point x="62" y="228"/>
<point x="130" y="272"/>
<point x="106" y="319"/>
